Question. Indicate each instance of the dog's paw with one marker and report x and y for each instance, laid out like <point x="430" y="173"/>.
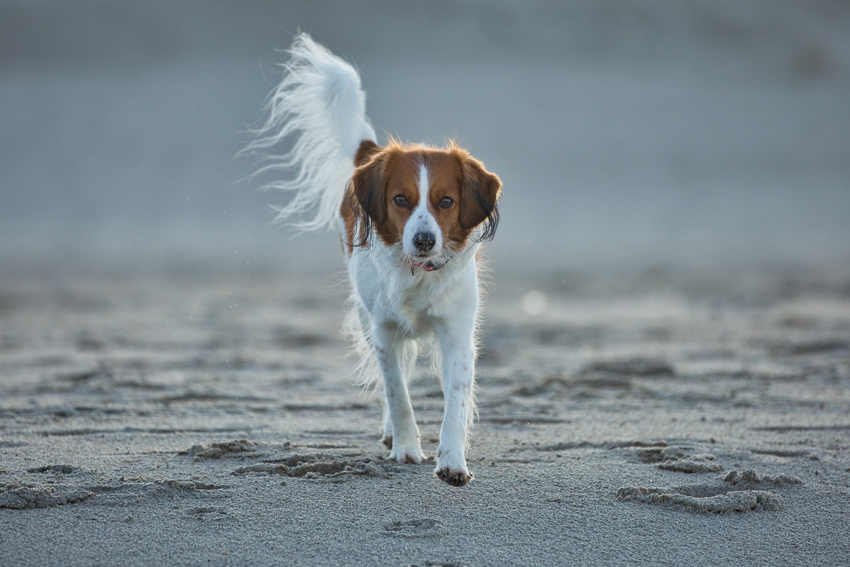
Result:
<point x="455" y="476"/>
<point x="412" y="455"/>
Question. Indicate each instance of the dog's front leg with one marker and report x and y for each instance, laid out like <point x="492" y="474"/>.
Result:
<point x="389" y="349"/>
<point x="458" y="378"/>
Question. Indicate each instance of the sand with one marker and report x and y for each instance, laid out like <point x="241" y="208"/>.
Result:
<point x="178" y="418"/>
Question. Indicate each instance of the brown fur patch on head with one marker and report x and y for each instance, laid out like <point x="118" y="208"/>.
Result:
<point x="375" y="184"/>
<point x="480" y="195"/>
<point x="362" y="196"/>
<point x="384" y="191"/>
<point x="365" y="152"/>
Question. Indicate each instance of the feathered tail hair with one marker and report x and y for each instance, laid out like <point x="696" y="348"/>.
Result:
<point x="321" y="106"/>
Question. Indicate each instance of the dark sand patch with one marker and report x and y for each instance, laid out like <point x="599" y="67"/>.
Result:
<point x="638" y="366"/>
<point x="221" y="449"/>
<point x="318" y="469"/>
<point x="57" y="469"/>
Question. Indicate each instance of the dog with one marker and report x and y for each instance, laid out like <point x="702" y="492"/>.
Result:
<point x="411" y="220"/>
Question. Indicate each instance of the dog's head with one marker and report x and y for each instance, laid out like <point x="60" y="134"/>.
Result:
<point x="428" y="200"/>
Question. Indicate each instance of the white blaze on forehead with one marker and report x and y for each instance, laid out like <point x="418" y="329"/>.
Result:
<point x="423" y="186"/>
<point x="421" y="220"/>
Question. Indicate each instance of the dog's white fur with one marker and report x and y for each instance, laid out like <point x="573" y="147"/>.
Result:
<point x="398" y="304"/>
<point x="320" y="105"/>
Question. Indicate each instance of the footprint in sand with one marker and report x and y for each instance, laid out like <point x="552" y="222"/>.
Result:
<point x="679" y="459"/>
<point x="695" y="464"/>
<point x="21" y="496"/>
<point x="207" y="513"/>
<point x="422" y="527"/>
<point x="736" y="492"/>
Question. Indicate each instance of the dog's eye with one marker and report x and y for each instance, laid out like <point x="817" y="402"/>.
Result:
<point x="400" y="200"/>
<point x="446" y="202"/>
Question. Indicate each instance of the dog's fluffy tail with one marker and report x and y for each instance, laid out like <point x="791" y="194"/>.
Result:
<point x="319" y="107"/>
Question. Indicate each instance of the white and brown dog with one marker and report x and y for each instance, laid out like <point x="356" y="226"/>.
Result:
<point x="411" y="219"/>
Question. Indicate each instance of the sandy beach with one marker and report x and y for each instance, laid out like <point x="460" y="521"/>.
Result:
<point x="659" y="417"/>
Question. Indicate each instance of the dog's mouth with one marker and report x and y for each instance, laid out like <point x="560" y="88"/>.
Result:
<point x="428" y="262"/>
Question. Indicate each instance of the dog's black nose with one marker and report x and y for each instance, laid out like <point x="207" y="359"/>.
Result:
<point x="424" y="241"/>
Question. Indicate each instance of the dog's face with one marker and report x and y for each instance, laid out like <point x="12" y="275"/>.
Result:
<point x="428" y="200"/>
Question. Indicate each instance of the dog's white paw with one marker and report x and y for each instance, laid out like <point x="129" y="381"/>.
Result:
<point x="455" y="476"/>
<point x="451" y="467"/>
<point x="408" y="454"/>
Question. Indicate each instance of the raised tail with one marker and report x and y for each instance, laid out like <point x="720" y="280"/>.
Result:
<point x="321" y="107"/>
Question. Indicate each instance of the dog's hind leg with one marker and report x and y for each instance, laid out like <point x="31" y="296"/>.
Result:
<point x="409" y="354"/>
<point x="390" y="350"/>
<point x="358" y="327"/>
<point x="387" y="427"/>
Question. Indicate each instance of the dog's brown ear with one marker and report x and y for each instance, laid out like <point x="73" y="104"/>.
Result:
<point x="365" y="152"/>
<point x="480" y="192"/>
<point x="368" y="184"/>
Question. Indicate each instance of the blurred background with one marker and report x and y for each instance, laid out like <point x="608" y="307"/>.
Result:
<point x="703" y="132"/>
